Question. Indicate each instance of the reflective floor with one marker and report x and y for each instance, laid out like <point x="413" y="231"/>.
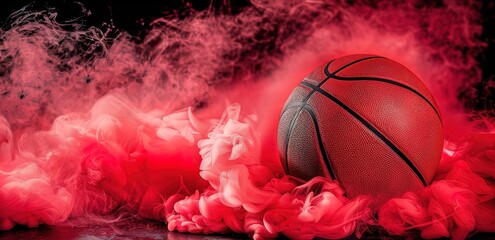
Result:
<point x="147" y="230"/>
<point x="118" y="231"/>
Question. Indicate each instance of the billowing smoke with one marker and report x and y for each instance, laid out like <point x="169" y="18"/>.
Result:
<point x="96" y="124"/>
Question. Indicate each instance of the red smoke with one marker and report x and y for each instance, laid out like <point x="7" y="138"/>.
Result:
<point x="95" y="127"/>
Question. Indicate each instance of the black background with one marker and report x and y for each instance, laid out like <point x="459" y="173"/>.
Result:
<point x="131" y="16"/>
<point x="134" y="18"/>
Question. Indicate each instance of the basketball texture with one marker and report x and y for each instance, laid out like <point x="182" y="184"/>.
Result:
<point x="365" y="121"/>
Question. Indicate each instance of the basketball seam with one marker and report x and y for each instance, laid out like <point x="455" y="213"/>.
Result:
<point x="297" y="103"/>
<point x="294" y="118"/>
<point x="326" y="159"/>
<point x="372" y="129"/>
<point x="287" y="139"/>
<point x="332" y="75"/>
<point x="389" y="81"/>
<point x="293" y="121"/>
<point x="328" y="74"/>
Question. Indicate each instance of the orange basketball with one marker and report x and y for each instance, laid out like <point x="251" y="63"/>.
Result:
<point x="365" y="121"/>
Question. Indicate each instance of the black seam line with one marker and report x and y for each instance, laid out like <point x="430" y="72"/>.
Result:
<point x="345" y="66"/>
<point x="312" y="90"/>
<point x="390" y="82"/>
<point x="294" y="119"/>
<point x="325" y="70"/>
<point x="293" y="122"/>
<point x="291" y="126"/>
<point x="311" y="112"/>
<point x="297" y="103"/>
<point x="372" y="129"/>
<point x="332" y="75"/>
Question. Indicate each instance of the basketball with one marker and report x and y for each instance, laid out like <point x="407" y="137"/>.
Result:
<point x="364" y="121"/>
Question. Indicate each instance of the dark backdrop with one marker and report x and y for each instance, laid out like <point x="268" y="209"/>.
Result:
<point x="134" y="18"/>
